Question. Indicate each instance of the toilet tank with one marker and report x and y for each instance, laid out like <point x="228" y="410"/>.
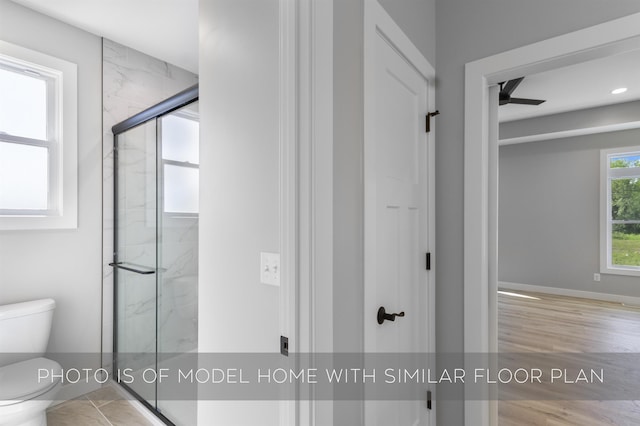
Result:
<point x="24" y="330"/>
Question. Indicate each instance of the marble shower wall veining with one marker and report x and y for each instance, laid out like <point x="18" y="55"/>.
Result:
<point x="132" y="82"/>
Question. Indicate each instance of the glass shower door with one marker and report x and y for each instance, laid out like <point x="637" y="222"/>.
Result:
<point x="136" y="257"/>
<point x="156" y="155"/>
<point x="178" y="208"/>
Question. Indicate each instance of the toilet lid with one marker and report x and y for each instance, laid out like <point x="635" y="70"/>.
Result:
<point x="20" y="381"/>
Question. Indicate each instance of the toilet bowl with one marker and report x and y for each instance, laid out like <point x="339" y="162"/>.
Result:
<point x="24" y="333"/>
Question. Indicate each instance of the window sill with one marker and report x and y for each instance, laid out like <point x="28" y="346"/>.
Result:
<point x="26" y="223"/>
<point x="631" y="272"/>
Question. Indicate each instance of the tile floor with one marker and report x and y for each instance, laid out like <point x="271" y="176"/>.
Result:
<point x="104" y="407"/>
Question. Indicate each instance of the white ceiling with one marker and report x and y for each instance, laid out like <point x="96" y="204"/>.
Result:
<point x="584" y="85"/>
<point x="165" y="29"/>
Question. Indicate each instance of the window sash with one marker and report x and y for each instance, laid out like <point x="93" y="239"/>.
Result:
<point x="624" y="172"/>
<point x="52" y="178"/>
<point x="19" y="67"/>
<point x="616" y="267"/>
<point x="184" y="164"/>
<point x="25" y="141"/>
<point x="181" y="164"/>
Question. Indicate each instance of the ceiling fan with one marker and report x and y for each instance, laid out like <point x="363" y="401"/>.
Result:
<point x="507" y="88"/>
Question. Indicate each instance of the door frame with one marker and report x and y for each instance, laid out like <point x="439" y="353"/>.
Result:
<point x="481" y="183"/>
<point x="378" y="21"/>
<point x="306" y="191"/>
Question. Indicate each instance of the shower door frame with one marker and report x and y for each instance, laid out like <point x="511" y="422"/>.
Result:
<point x="173" y="103"/>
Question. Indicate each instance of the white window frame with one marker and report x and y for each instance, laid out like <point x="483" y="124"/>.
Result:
<point x="606" y="174"/>
<point x="62" y="144"/>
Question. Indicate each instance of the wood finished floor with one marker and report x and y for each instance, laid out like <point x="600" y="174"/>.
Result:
<point x="567" y="324"/>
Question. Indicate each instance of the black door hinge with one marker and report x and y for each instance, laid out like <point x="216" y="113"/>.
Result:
<point x="284" y="345"/>
<point x="429" y="115"/>
<point x="428" y="261"/>
<point x="429" y="400"/>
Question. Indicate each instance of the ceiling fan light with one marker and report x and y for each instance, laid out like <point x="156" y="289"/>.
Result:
<point x="618" y="90"/>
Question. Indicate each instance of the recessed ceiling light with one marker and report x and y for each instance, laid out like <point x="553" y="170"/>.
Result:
<point x="618" y="91"/>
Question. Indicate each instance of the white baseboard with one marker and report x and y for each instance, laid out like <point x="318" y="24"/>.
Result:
<point x="617" y="298"/>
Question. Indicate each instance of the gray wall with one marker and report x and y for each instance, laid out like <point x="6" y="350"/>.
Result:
<point x="62" y="264"/>
<point x="550" y="213"/>
<point x="466" y="31"/>
<point x="417" y="19"/>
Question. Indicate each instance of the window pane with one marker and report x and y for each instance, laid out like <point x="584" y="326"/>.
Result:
<point x="181" y="189"/>
<point x="180" y="139"/>
<point x="23" y="177"/>
<point x="625" y="199"/>
<point x="625" y="245"/>
<point x="23" y="105"/>
<point x="624" y="161"/>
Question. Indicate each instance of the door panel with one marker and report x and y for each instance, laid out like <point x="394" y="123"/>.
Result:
<point x="135" y="276"/>
<point x="396" y="221"/>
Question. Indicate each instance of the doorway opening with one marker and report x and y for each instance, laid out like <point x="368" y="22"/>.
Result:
<point x="481" y="169"/>
<point x="554" y="296"/>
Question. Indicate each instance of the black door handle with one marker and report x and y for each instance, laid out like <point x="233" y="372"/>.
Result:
<point x="383" y="315"/>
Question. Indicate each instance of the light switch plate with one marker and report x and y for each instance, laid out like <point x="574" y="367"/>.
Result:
<point x="270" y="268"/>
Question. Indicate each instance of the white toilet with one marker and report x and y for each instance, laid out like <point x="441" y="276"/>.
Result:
<point x="24" y="333"/>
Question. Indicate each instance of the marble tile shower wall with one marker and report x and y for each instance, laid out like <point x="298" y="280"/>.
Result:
<point x="132" y="82"/>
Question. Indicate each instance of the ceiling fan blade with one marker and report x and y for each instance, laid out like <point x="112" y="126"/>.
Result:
<point x="511" y="85"/>
<point x="522" y="101"/>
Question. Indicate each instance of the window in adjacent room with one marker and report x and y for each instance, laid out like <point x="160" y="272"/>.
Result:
<point x="38" y="159"/>
<point x="620" y="211"/>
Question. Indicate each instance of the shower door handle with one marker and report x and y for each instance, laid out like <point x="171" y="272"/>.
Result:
<point x="120" y="265"/>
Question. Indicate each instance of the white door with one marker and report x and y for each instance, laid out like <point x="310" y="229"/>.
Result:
<point x="397" y="213"/>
